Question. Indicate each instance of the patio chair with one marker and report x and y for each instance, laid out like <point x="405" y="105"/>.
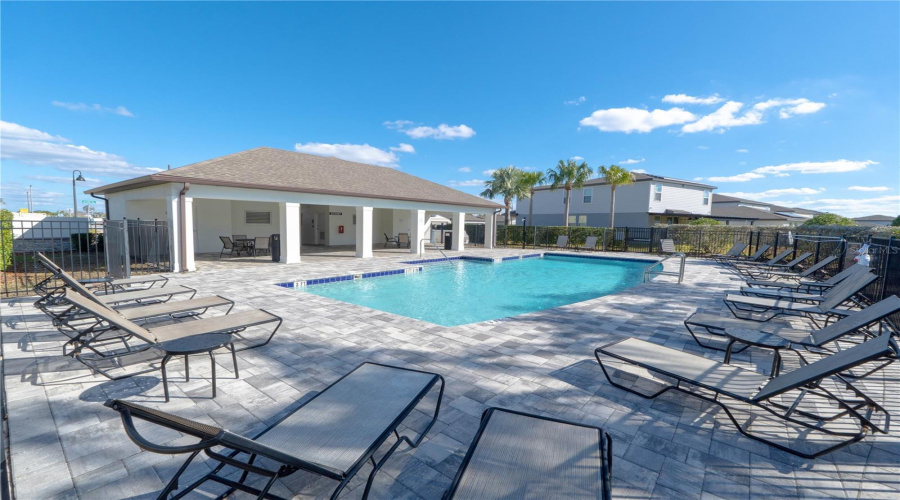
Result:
<point x="111" y="327"/>
<point x="784" y="398"/>
<point x="390" y="241"/>
<point x="667" y="246"/>
<point x="155" y="295"/>
<point x="562" y="242"/>
<point x="590" y="243"/>
<point x="519" y="455"/>
<point x="332" y="435"/>
<point x="403" y="240"/>
<point x="810" y="286"/>
<point x="769" y="263"/>
<point x="261" y="246"/>
<point x="760" y="272"/>
<point x="750" y="258"/>
<point x="776" y="276"/>
<point x="109" y="284"/>
<point x="734" y="251"/>
<point x="229" y="245"/>
<point x="853" y="322"/>
<point x="240" y="243"/>
<point x="746" y="307"/>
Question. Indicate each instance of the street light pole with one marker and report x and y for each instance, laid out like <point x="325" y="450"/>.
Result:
<point x="74" y="199"/>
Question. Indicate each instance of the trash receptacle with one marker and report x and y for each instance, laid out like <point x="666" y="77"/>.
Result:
<point x="448" y="240"/>
<point x="275" y="245"/>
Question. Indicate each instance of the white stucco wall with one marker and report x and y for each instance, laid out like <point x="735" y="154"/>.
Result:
<point x="679" y="197"/>
<point x="344" y="219"/>
<point x="212" y="218"/>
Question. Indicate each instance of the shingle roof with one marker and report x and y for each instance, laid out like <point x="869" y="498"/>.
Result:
<point x="281" y="170"/>
<point x="875" y="217"/>
<point x="721" y="198"/>
<point x="726" y="212"/>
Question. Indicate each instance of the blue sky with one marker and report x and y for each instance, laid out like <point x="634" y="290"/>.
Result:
<point x="791" y="103"/>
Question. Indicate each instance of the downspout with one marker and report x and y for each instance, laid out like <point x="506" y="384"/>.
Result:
<point x="105" y="204"/>
<point x="182" y="230"/>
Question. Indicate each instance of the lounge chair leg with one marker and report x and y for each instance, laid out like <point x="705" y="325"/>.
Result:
<point x="187" y="369"/>
<point x="212" y="360"/>
<point x="262" y="493"/>
<point x="165" y="380"/>
<point x="173" y="483"/>
<point x="234" y="359"/>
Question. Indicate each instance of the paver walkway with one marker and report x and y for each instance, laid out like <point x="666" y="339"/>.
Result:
<point x="66" y="444"/>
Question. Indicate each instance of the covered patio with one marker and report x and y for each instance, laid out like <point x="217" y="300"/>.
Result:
<point x="234" y="205"/>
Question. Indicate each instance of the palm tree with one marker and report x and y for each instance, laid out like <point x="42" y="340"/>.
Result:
<point x="614" y="176"/>
<point x="532" y="180"/>
<point x="569" y="174"/>
<point x="505" y="182"/>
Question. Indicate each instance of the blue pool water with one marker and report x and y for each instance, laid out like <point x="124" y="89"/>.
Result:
<point x="463" y="292"/>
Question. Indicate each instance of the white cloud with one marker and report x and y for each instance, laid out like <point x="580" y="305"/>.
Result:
<point x="464" y="169"/>
<point x="869" y="188"/>
<point x="639" y="171"/>
<point x="362" y="153"/>
<point x="575" y="102"/>
<point x="34" y="147"/>
<point x="577" y="158"/>
<point x="742" y="150"/>
<point x="887" y="205"/>
<point x="488" y="173"/>
<point x="790" y="107"/>
<point x="749" y="176"/>
<point x="64" y="180"/>
<point x="724" y="118"/>
<point x="80" y="106"/>
<point x="772" y="193"/>
<point x="469" y="183"/>
<point x="14" y="195"/>
<point x="703" y="147"/>
<point x="403" y="148"/>
<point x="686" y="99"/>
<point x="825" y="167"/>
<point x="631" y="161"/>
<point x="636" y="120"/>
<point x="442" y="131"/>
<point x="397" y="124"/>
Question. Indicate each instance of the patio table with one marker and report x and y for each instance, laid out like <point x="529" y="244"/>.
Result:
<point x="246" y="244"/>
<point x="196" y="344"/>
<point x="757" y="338"/>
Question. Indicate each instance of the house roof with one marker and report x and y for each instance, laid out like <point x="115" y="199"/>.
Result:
<point x="281" y="170"/>
<point x="721" y="198"/>
<point x="875" y="218"/>
<point x="746" y="213"/>
<point x="640" y="177"/>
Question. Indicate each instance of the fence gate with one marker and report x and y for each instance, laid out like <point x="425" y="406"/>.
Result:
<point x="118" y="264"/>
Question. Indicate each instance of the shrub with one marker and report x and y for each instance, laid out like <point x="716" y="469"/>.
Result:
<point x="896" y="221"/>
<point x="82" y="241"/>
<point x="6" y="238"/>
<point x="829" y="219"/>
<point x="705" y="221"/>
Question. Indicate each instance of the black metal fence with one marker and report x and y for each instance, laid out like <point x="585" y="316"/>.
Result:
<point x="86" y="248"/>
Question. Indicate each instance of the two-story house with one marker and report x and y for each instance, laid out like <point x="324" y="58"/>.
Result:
<point x="651" y="199"/>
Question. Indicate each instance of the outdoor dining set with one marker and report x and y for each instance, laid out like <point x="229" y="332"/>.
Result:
<point x="335" y="433"/>
<point x="238" y="244"/>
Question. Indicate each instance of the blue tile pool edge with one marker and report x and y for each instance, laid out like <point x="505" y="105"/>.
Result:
<point x="347" y="277"/>
<point x="598" y="257"/>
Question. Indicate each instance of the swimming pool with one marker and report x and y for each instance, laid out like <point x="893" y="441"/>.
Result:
<point x="461" y="292"/>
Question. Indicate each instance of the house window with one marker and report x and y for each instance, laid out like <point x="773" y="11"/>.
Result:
<point x="258" y="217"/>
<point x="656" y="219"/>
<point x="657" y="195"/>
<point x="671" y="220"/>
<point x="588" y="195"/>
<point x="582" y="220"/>
<point x="706" y="197"/>
<point x="571" y="219"/>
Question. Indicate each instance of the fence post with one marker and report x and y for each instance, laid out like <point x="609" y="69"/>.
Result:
<point x="887" y="267"/>
<point x="524" y="234"/>
<point x="796" y="241"/>
<point x="625" y="240"/>
<point x="843" y="254"/>
<point x="604" y="239"/>
<point x="818" y="248"/>
<point x="775" y="245"/>
<point x="699" y="243"/>
<point x="652" y="234"/>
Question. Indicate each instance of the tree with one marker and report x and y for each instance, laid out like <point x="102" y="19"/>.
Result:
<point x="704" y="221"/>
<point x="505" y="182"/>
<point x="896" y="221"/>
<point x="568" y="174"/>
<point x="615" y="176"/>
<point x="829" y="219"/>
<point x="6" y="238"/>
<point x="532" y="180"/>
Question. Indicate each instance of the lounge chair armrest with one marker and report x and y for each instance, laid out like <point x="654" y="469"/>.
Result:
<point x="146" y="444"/>
<point x="246" y="445"/>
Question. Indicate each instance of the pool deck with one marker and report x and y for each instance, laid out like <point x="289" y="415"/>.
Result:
<point x="66" y="444"/>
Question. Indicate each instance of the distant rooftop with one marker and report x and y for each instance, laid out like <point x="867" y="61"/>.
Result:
<point x="875" y="218"/>
<point x="641" y="177"/>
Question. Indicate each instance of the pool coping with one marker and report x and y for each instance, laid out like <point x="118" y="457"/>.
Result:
<point x="411" y="270"/>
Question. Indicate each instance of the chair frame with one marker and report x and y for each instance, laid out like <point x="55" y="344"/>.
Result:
<point x="605" y="444"/>
<point x="239" y="445"/>
<point x="391" y="241"/>
<point x="778" y="410"/>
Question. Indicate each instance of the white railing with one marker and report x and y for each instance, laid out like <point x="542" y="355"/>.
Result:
<point x="435" y="245"/>
<point x="650" y="272"/>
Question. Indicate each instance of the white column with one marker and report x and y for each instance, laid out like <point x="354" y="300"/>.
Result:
<point x="459" y="231"/>
<point x="416" y="230"/>
<point x="289" y="227"/>
<point x="364" y="232"/>
<point x="489" y="224"/>
<point x="174" y="232"/>
<point x="189" y="235"/>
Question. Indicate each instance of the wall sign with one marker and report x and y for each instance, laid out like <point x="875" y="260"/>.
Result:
<point x="335" y="213"/>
